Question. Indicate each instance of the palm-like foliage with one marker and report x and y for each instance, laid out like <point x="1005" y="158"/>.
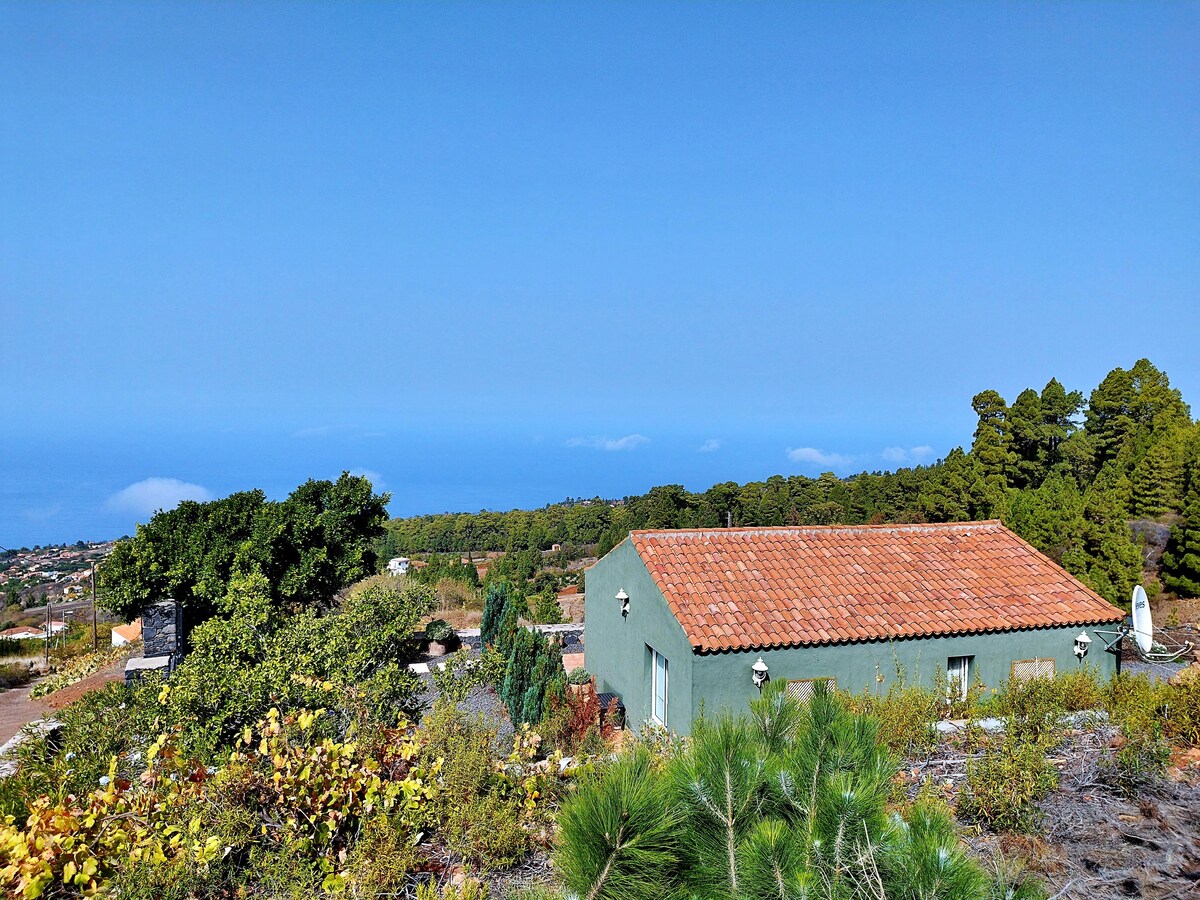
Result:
<point x="788" y="803"/>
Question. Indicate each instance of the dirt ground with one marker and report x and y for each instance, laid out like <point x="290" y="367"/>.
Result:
<point x="1094" y="842"/>
<point x="17" y="709"/>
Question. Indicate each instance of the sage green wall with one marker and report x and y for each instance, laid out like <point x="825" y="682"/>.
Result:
<point x="614" y="646"/>
<point x="615" y="652"/>
<point x="722" y="681"/>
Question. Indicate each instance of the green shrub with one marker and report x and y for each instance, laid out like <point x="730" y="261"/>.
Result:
<point x="476" y="816"/>
<point x="1006" y="781"/>
<point x="579" y="675"/>
<point x="15" y="675"/>
<point x="907" y="715"/>
<point x="1141" y="759"/>
<point x="486" y="831"/>
<point x="441" y="631"/>
<point x="470" y="889"/>
<point x="462" y="672"/>
<point x="546" y="609"/>
<point x="382" y="858"/>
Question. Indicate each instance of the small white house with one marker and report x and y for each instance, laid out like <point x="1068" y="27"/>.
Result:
<point x="398" y="566"/>
<point x="127" y="634"/>
<point x="21" y="633"/>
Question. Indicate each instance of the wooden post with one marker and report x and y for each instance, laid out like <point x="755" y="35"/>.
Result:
<point x="95" y="637"/>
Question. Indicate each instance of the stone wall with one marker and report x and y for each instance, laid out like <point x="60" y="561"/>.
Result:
<point x="162" y="630"/>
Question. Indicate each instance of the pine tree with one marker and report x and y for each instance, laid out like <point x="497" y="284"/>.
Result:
<point x="1025" y="421"/>
<point x="517" y="673"/>
<point x="1051" y="517"/>
<point x="992" y="446"/>
<point x="1156" y="479"/>
<point x="1181" y="559"/>
<point x="791" y="803"/>
<point x="1059" y="409"/>
<point x="1114" y="560"/>
<point x="506" y="632"/>
<point x="494" y="605"/>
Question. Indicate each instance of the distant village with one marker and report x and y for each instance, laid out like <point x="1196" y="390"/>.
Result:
<point x="49" y="574"/>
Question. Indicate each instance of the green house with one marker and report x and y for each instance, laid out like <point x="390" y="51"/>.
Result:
<point x="687" y="621"/>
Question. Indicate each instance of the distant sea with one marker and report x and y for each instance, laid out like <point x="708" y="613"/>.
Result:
<point x="61" y="489"/>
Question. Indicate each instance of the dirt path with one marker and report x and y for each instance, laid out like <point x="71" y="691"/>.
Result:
<point x="17" y="711"/>
<point x="72" y="692"/>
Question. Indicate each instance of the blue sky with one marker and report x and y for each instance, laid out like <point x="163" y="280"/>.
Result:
<point x="498" y="254"/>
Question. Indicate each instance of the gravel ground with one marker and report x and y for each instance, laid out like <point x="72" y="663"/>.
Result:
<point x="482" y="700"/>
<point x="1156" y="671"/>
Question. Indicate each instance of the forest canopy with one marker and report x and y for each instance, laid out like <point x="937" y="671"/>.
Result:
<point x="1066" y="473"/>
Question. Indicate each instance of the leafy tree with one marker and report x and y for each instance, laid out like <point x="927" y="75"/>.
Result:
<point x="307" y="547"/>
<point x="251" y="658"/>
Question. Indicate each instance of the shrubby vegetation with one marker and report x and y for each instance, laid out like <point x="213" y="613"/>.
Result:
<point x="278" y="760"/>
<point x="791" y="801"/>
<point x="1066" y="475"/>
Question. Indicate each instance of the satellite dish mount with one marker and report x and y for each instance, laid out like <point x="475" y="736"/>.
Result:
<point x="1164" y="650"/>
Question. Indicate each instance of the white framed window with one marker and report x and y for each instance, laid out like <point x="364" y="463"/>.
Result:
<point x="802" y="689"/>
<point x="1028" y="669"/>
<point x="958" y="676"/>
<point x="658" y="687"/>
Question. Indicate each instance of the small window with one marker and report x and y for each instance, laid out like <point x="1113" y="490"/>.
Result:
<point x="658" y="687"/>
<point x="1028" y="669"/>
<point x="958" y="676"/>
<point x="802" y="689"/>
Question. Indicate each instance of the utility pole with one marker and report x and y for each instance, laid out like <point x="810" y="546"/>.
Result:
<point x="46" y="641"/>
<point x="95" y="639"/>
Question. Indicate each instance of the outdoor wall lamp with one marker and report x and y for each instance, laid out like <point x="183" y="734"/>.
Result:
<point x="623" y="599"/>
<point x="1081" y="644"/>
<point x="758" y="673"/>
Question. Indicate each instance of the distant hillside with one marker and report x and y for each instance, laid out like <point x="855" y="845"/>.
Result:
<point x="1071" y="477"/>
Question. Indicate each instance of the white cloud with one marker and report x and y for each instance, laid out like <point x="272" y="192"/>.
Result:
<point x="911" y="456"/>
<point x="371" y="475"/>
<point x="145" y="498"/>
<point x="629" y="442"/>
<point x="710" y="446"/>
<point x="820" y="457"/>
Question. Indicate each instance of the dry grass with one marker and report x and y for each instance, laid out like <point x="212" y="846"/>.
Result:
<point x="461" y="618"/>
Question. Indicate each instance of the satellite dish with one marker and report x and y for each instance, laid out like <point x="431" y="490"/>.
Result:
<point x="1143" y="625"/>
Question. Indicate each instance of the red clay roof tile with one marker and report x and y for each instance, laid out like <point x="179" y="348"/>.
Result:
<point x="742" y="588"/>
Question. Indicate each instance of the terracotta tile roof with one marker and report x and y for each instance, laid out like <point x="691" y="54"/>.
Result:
<point x="131" y="632"/>
<point x="734" y="589"/>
